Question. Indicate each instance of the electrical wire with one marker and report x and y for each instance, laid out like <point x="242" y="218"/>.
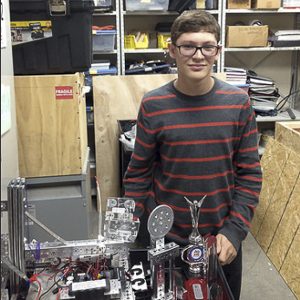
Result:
<point x="99" y="202"/>
<point x="92" y="270"/>
<point x="58" y="294"/>
<point x="47" y="291"/>
<point x="40" y="289"/>
<point x="283" y="101"/>
<point x="34" y="278"/>
<point x="291" y="93"/>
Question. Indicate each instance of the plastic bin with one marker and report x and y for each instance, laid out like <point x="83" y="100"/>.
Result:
<point x="163" y="39"/>
<point x="69" y="50"/>
<point x="131" y="41"/>
<point x="134" y="5"/>
<point x="104" y="40"/>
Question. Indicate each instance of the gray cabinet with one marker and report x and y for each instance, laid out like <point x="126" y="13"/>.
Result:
<point x="64" y="205"/>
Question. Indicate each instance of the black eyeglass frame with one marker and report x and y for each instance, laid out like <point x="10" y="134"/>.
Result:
<point x="199" y="48"/>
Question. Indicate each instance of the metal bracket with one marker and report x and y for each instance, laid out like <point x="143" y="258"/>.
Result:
<point x="169" y="251"/>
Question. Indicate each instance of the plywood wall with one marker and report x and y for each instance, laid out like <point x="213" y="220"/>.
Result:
<point x="287" y="228"/>
<point x="277" y="220"/>
<point x="272" y="162"/>
<point x="290" y="270"/>
<point x="52" y="133"/>
<point x="276" y="209"/>
<point x="288" y="133"/>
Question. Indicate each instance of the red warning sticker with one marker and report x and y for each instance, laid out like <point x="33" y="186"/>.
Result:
<point x="63" y="92"/>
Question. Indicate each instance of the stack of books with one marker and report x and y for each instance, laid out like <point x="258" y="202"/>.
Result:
<point x="236" y="76"/>
<point x="291" y="3"/>
<point x="263" y="94"/>
<point x="286" y="38"/>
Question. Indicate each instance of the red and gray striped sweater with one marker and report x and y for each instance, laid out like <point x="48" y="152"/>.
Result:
<point x="194" y="146"/>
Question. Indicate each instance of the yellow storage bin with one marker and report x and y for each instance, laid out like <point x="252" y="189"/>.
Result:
<point x="139" y="41"/>
<point x="163" y="39"/>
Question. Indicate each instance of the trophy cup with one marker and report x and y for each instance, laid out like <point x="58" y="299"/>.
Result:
<point x="195" y="254"/>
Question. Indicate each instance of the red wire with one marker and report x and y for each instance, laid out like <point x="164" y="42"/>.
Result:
<point x="34" y="279"/>
<point x="58" y="294"/>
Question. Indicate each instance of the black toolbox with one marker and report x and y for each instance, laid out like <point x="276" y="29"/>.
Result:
<point x="69" y="50"/>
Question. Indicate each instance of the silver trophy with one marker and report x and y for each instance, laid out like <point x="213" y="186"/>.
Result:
<point x="195" y="254"/>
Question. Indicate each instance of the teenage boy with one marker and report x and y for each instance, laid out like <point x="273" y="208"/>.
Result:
<point x="197" y="136"/>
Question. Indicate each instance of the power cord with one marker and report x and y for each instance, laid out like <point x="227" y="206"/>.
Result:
<point x="283" y="101"/>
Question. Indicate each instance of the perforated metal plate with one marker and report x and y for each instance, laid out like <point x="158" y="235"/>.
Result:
<point x="160" y="221"/>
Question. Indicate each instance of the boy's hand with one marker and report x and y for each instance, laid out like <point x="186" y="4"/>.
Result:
<point x="225" y="250"/>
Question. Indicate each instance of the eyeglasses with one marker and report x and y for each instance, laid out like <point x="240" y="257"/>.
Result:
<point x="190" y="50"/>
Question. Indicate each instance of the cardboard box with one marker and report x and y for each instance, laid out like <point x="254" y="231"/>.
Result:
<point x="247" y="36"/>
<point x="200" y="4"/>
<point x="266" y="4"/>
<point x="239" y="4"/>
<point x="51" y="123"/>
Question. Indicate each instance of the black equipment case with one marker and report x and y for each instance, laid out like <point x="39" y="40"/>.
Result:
<point x="69" y="50"/>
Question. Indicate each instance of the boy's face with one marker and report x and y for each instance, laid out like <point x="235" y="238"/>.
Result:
<point x="195" y="67"/>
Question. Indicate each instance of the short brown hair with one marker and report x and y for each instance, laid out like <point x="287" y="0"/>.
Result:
<point x="194" y="21"/>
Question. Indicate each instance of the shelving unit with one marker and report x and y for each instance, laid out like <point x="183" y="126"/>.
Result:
<point x="109" y="18"/>
<point x="255" y="57"/>
<point x="278" y="63"/>
<point x="146" y="21"/>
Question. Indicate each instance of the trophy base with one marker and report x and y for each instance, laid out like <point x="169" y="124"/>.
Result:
<point x="199" y="271"/>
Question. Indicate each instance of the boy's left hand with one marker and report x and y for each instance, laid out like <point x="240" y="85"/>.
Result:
<point x="225" y="250"/>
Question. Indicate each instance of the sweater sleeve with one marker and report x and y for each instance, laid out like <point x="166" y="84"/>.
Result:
<point x="138" y="176"/>
<point x="248" y="180"/>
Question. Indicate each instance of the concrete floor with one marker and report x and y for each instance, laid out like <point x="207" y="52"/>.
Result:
<point x="261" y="281"/>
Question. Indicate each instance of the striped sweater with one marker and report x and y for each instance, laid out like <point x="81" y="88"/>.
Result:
<point x="194" y="146"/>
